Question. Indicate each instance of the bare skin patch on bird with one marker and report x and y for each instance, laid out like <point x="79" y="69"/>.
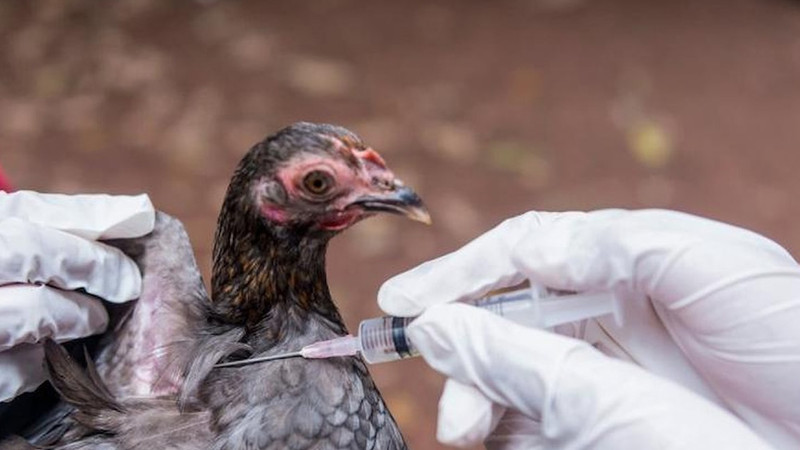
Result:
<point x="268" y="209"/>
<point x="274" y="213"/>
<point x="356" y="153"/>
<point x="368" y="174"/>
<point x="346" y="148"/>
<point x="292" y="176"/>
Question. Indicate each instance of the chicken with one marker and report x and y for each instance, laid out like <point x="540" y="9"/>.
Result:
<point x="152" y="383"/>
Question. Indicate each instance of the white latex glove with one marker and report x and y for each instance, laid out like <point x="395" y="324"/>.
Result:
<point x="710" y="306"/>
<point x="53" y="272"/>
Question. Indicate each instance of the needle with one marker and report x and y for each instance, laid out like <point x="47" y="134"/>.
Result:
<point x="247" y="362"/>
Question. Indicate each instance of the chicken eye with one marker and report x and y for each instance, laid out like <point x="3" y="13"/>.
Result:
<point x="318" y="182"/>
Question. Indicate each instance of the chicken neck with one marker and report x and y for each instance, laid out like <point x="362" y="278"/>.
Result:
<point x="271" y="280"/>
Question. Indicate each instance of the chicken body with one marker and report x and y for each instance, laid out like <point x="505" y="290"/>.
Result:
<point x="299" y="404"/>
<point x="155" y="385"/>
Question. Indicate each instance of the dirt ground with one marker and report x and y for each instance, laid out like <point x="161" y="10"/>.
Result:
<point x="488" y="109"/>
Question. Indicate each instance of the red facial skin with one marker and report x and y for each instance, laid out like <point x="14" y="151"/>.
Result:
<point x="342" y="220"/>
<point x="274" y="213"/>
<point x="359" y="172"/>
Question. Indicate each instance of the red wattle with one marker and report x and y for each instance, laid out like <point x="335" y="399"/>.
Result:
<point x="339" y="221"/>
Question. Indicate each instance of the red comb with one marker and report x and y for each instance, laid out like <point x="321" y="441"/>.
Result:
<point x="372" y="156"/>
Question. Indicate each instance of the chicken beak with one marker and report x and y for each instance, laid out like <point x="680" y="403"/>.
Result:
<point x="400" y="200"/>
<point x="386" y="193"/>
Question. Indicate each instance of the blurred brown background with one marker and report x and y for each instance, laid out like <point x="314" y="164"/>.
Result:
<point x="487" y="108"/>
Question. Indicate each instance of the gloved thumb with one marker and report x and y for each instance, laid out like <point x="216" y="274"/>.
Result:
<point x="466" y="417"/>
<point x="470" y="272"/>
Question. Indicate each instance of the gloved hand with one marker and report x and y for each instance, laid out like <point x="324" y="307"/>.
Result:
<point x="711" y="306"/>
<point x="53" y="273"/>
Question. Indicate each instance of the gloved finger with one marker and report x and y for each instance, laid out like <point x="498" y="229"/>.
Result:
<point x="30" y="313"/>
<point x="515" y="431"/>
<point x="511" y="365"/>
<point x="581" y="398"/>
<point x="91" y="216"/>
<point x="35" y="253"/>
<point x="21" y="370"/>
<point x="473" y="270"/>
<point x="612" y="249"/>
<point x="466" y="417"/>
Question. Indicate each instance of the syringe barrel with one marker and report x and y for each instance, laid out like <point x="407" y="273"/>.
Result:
<point x="517" y="306"/>
<point x="384" y="339"/>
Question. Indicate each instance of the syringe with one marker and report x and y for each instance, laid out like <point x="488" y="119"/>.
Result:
<point x="384" y="339"/>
